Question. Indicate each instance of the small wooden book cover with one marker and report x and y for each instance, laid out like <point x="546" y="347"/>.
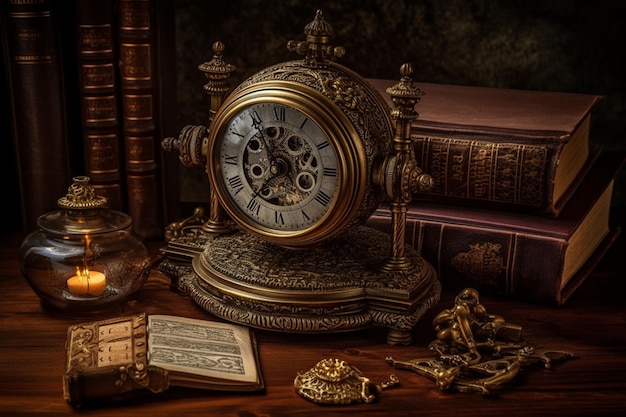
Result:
<point x="109" y="358"/>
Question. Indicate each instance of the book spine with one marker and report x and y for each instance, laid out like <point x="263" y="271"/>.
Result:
<point x="38" y="105"/>
<point x="113" y="383"/>
<point x="508" y="175"/>
<point x="495" y="262"/>
<point x="99" y="95"/>
<point x="108" y="359"/>
<point x="140" y="100"/>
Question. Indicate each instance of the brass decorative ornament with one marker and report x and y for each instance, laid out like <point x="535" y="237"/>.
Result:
<point x="333" y="381"/>
<point x="298" y="156"/>
<point x="476" y="351"/>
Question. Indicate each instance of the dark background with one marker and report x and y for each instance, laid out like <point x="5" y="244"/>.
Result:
<point x="550" y="45"/>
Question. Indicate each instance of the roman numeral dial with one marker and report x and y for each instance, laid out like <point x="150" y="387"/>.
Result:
<point x="277" y="167"/>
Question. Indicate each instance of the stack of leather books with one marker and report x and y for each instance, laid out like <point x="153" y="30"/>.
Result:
<point x="521" y="200"/>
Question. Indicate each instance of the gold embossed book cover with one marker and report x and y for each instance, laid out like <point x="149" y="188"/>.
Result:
<point x="518" y="150"/>
<point x="517" y="255"/>
<point x="109" y="358"/>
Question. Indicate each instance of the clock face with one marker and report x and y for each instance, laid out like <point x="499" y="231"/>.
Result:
<point x="278" y="167"/>
<point x="287" y="164"/>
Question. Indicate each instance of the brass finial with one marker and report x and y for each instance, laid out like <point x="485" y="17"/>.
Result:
<point x="316" y="48"/>
<point x="318" y="29"/>
<point x="405" y="95"/>
<point x="81" y="195"/>
<point x="217" y="71"/>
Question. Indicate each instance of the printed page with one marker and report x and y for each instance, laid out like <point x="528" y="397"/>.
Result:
<point x="201" y="347"/>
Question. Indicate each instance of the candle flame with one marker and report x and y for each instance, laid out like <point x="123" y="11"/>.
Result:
<point x="83" y="273"/>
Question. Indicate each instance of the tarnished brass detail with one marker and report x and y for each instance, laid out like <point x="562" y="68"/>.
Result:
<point x="297" y="260"/>
<point x="316" y="48"/>
<point x="242" y="279"/>
<point x="217" y="71"/>
<point x="192" y="140"/>
<point x="476" y="351"/>
<point x="353" y="115"/>
<point x="333" y="381"/>
<point x="86" y="345"/>
<point x="401" y="177"/>
<point x="178" y="229"/>
<point x="354" y="141"/>
<point x="190" y="145"/>
<point x="81" y="195"/>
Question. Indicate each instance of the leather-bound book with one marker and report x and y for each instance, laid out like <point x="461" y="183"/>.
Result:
<point x="137" y="42"/>
<point x="508" y="149"/>
<point x="32" y="52"/>
<point x="525" y="256"/>
<point x="141" y="355"/>
<point x="99" y="95"/>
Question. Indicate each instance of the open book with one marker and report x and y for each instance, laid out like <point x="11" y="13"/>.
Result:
<point x="112" y="357"/>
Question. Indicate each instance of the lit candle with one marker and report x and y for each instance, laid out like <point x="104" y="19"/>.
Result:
<point x="87" y="282"/>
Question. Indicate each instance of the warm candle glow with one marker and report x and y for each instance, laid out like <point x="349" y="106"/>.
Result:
<point x="87" y="282"/>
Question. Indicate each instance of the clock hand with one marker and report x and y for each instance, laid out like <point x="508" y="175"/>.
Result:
<point x="264" y="141"/>
<point x="257" y="125"/>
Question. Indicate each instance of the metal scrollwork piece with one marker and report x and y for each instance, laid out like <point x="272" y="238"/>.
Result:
<point x="333" y="381"/>
<point x="476" y="351"/>
<point x="81" y="195"/>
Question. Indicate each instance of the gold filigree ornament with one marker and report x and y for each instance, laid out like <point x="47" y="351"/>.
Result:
<point x="476" y="351"/>
<point x="333" y="381"/>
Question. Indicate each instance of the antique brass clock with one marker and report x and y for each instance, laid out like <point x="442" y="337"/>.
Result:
<point x="286" y="166"/>
<point x="298" y="157"/>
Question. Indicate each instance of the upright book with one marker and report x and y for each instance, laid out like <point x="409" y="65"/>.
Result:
<point x="116" y="358"/>
<point x="525" y="256"/>
<point x="32" y="52"/>
<point x="507" y="149"/>
<point x="99" y="97"/>
<point x="137" y="41"/>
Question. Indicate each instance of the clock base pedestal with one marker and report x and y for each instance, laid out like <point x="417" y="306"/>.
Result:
<point x="337" y="287"/>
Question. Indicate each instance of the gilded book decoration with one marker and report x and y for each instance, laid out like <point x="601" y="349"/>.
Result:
<point x="99" y="90"/>
<point x="466" y="169"/>
<point x="520" y="255"/>
<point x="140" y="100"/>
<point x="147" y="354"/>
<point x="481" y="262"/>
<point x="501" y="148"/>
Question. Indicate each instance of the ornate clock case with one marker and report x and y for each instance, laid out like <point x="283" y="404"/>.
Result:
<point x="298" y="157"/>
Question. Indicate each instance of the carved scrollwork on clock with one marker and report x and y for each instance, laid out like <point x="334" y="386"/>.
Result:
<point x="298" y="157"/>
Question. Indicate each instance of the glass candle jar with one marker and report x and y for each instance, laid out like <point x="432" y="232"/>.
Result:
<point x="84" y="257"/>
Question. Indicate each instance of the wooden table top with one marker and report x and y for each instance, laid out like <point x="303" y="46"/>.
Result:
<point x="592" y="325"/>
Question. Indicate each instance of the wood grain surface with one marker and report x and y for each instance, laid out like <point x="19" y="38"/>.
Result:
<point x="591" y="325"/>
